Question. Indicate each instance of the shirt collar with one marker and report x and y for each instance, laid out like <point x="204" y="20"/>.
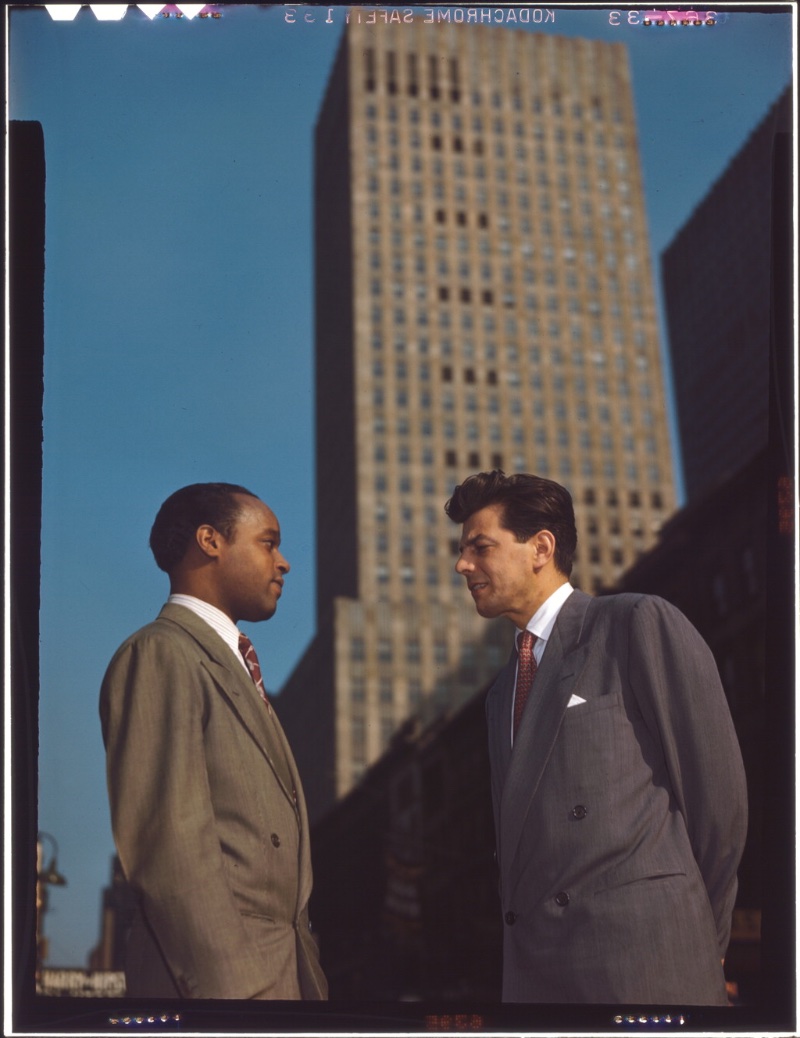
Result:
<point x="215" y="618"/>
<point x="543" y="620"/>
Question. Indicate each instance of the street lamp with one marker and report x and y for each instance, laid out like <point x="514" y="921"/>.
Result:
<point x="48" y="876"/>
<point x="51" y="874"/>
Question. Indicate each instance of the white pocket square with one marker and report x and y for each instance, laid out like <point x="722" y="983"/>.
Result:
<point x="574" y="701"/>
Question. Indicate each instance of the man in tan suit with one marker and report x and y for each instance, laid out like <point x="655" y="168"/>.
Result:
<point x="206" y="804"/>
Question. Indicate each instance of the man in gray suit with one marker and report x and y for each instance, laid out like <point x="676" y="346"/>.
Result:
<point x="617" y="782"/>
<point x="206" y="804"/>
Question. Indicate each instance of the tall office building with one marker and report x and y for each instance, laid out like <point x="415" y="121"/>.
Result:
<point x="717" y="276"/>
<point x="484" y="300"/>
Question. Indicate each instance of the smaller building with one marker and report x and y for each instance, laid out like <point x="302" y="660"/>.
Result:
<point x="116" y="915"/>
<point x="405" y="896"/>
<point x="711" y="562"/>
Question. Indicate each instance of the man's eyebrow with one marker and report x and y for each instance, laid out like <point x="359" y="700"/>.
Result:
<point x="270" y="531"/>
<point x="471" y="540"/>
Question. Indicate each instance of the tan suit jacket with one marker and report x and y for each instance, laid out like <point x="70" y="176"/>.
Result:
<point x="209" y="821"/>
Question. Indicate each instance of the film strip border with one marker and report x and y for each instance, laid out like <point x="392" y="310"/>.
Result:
<point x="115" y="12"/>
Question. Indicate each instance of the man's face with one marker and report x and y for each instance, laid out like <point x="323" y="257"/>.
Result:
<point x="250" y="567"/>
<point x="499" y="570"/>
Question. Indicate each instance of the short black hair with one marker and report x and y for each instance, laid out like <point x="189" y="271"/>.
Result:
<point x="187" y="509"/>
<point x="528" y="504"/>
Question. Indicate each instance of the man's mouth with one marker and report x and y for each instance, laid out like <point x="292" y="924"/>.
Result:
<point x="477" y="587"/>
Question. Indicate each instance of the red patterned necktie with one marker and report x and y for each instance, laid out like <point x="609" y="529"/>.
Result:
<point x="247" y="649"/>
<point x="526" y="671"/>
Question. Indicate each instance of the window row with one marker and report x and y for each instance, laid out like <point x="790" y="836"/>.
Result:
<point x="566" y="466"/>
<point x="595" y="111"/>
<point x="396" y="212"/>
<point x="613" y="498"/>
<point x="396" y="186"/>
<point x="556" y="356"/>
<point x="538" y="133"/>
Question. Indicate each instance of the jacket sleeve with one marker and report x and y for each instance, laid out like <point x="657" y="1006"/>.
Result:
<point x="681" y="697"/>
<point x="152" y="707"/>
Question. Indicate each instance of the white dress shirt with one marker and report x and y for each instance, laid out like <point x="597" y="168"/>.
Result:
<point x="541" y="624"/>
<point x="215" y="618"/>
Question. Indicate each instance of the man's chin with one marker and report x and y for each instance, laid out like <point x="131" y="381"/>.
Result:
<point x="265" y="612"/>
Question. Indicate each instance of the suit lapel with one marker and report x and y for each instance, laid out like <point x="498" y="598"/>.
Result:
<point x="498" y="715"/>
<point x="239" y="691"/>
<point x="555" y="679"/>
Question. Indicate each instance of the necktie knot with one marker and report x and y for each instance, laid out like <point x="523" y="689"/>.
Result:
<point x="526" y="670"/>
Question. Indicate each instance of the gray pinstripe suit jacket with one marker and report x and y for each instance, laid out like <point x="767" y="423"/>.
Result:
<point x="620" y="821"/>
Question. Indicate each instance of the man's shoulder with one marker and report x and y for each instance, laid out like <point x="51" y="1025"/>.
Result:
<point x="627" y="608"/>
<point x="626" y="601"/>
<point x="641" y="612"/>
<point x="170" y="631"/>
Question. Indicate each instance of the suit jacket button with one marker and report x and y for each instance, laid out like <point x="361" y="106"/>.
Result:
<point x="276" y="840"/>
<point x="562" y="899"/>
<point x="579" y="811"/>
<point x="511" y="918"/>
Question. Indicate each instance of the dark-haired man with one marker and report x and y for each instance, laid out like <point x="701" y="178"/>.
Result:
<point x="617" y="781"/>
<point x="206" y="804"/>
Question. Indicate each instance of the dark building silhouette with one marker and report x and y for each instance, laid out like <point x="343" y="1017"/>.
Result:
<point x="405" y="883"/>
<point x="717" y="281"/>
<point x="116" y="915"/>
<point x="725" y="558"/>
<point x="26" y="237"/>
<point x="711" y="563"/>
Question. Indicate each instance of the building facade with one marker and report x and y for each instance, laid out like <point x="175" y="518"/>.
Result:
<point x="117" y="909"/>
<point x="484" y="301"/>
<point x="406" y="899"/>
<point x="717" y="281"/>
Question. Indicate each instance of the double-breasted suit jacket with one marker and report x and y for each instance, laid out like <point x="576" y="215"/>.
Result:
<point x="209" y="821"/>
<point x="620" y="820"/>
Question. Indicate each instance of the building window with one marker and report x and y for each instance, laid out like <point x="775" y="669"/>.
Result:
<point x="357" y="733"/>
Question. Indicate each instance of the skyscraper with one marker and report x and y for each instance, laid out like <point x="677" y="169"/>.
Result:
<point x="483" y="300"/>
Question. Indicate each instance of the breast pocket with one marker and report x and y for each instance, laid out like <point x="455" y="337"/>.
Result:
<point x="586" y="749"/>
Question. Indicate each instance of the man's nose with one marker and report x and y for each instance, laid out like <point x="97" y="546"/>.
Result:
<point x="283" y="564"/>
<point x="462" y="566"/>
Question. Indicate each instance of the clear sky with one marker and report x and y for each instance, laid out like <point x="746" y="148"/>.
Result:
<point x="179" y="324"/>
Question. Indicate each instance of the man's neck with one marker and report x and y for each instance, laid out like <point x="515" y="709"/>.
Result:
<point x="539" y="600"/>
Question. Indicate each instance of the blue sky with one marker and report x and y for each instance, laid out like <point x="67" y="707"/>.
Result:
<point x="178" y="314"/>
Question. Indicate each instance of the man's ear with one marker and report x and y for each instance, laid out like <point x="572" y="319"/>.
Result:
<point x="544" y="544"/>
<point x="209" y="540"/>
